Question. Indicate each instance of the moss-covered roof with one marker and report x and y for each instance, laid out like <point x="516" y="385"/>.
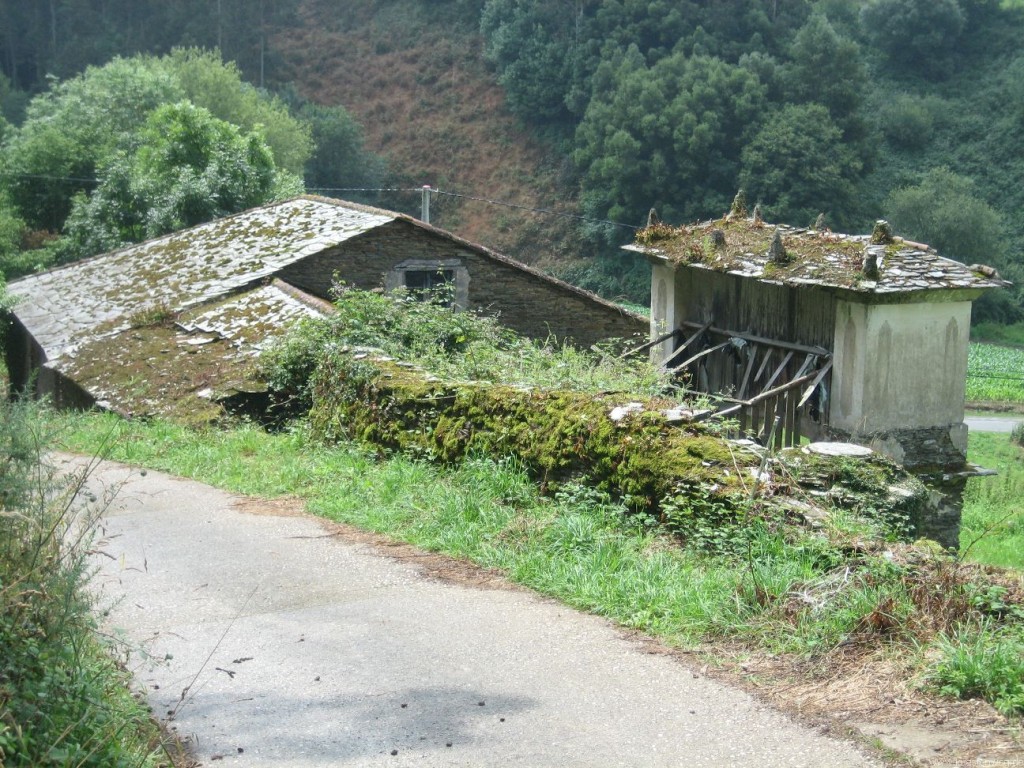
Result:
<point x="877" y="263"/>
<point x="178" y="366"/>
<point x="103" y="321"/>
<point x="65" y="308"/>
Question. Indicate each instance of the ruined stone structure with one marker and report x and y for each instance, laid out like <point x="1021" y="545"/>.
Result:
<point x="180" y="319"/>
<point x="805" y="333"/>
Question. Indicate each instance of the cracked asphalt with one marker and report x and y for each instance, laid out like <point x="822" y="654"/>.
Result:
<point x="267" y="640"/>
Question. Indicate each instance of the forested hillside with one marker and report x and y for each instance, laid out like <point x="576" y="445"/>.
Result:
<point x="907" y="109"/>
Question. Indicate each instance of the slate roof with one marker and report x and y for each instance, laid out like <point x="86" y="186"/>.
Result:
<point x="65" y="307"/>
<point x="147" y="327"/>
<point x="813" y="257"/>
<point x="179" y="368"/>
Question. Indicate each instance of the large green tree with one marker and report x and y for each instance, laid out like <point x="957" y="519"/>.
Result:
<point x="798" y="165"/>
<point x="826" y="68"/>
<point x="915" y="36"/>
<point x="79" y="126"/>
<point x="944" y="210"/>
<point x="533" y="45"/>
<point x="340" y="158"/>
<point x="190" y="167"/>
<point x="667" y="136"/>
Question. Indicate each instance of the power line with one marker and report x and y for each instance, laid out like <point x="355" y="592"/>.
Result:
<point x="546" y="211"/>
<point x="461" y="196"/>
<point x="489" y="201"/>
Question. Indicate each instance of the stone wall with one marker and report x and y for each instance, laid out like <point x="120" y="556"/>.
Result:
<point x="938" y="457"/>
<point x="524" y="299"/>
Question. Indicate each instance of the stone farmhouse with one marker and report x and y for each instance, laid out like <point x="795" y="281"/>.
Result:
<point x="806" y="333"/>
<point x="174" y="324"/>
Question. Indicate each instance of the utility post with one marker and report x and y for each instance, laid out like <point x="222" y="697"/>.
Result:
<point x="425" y="207"/>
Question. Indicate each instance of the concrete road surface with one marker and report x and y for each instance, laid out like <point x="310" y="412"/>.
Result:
<point x="274" y="643"/>
<point x="993" y="423"/>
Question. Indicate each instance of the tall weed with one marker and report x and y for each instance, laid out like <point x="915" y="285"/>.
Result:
<point x="63" y="699"/>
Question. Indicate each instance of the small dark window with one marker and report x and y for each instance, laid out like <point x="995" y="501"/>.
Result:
<point x="427" y="279"/>
<point x="434" y="285"/>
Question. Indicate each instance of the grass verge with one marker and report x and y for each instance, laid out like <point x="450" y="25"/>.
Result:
<point x="64" y="700"/>
<point x="992" y="528"/>
<point x="776" y="587"/>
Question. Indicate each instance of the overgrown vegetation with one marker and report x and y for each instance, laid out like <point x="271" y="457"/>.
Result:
<point x="788" y="587"/>
<point x="452" y="345"/>
<point x="64" y="701"/>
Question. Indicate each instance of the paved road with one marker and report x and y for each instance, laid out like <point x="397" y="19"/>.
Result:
<point x="993" y="423"/>
<point x="287" y="646"/>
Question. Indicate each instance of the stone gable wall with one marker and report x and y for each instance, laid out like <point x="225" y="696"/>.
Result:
<point x="525" y="302"/>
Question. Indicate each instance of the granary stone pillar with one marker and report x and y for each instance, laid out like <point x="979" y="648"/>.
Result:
<point x="898" y="385"/>
<point x="663" y="309"/>
<point x="899" y="378"/>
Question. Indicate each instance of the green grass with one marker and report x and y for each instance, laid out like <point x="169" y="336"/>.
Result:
<point x="787" y="591"/>
<point x="995" y="373"/>
<point x="64" y="699"/>
<point x="992" y="529"/>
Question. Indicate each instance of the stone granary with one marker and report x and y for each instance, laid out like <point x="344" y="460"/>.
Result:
<point x="809" y="333"/>
<point x="173" y="325"/>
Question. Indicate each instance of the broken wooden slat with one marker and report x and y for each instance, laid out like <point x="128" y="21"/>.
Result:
<point x="781" y="388"/>
<point x="805" y="365"/>
<point x="648" y="345"/>
<point x="750" y="367"/>
<point x="684" y="345"/>
<point x="817" y="380"/>
<point x="780" y="369"/>
<point x="698" y="356"/>
<point x="791" y="433"/>
<point x="760" y="339"/>
<point x="730" y="411"/>
<point x="764" y="364"/>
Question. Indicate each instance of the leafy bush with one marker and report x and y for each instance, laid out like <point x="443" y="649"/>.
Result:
<point x="63" y="701"/>
<point x="447" y="342"/>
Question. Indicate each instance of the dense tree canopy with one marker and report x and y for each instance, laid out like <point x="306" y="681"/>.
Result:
<point x="798" y="165"/>
<point x="141" y="146"/>
<point x="671" y="133"/>
<point x="943" y="209"/>
<point x="917" y="36"/>
<point x="190" y="167"/>
<point x="854" y="109"/>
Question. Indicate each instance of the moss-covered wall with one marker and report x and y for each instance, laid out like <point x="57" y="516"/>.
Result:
<point x="654" y="464"/>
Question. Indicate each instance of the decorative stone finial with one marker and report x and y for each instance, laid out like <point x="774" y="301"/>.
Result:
<point x="718" y="238"/>
<point x="871" y="262"/>
<point x="652" y="218"/>
<point x="758" y="218"/>
<point x="882" y="233"/>
<point x="819" y="223"/>
<point x="739" y="205"/>
<point x="777" y="253"/>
